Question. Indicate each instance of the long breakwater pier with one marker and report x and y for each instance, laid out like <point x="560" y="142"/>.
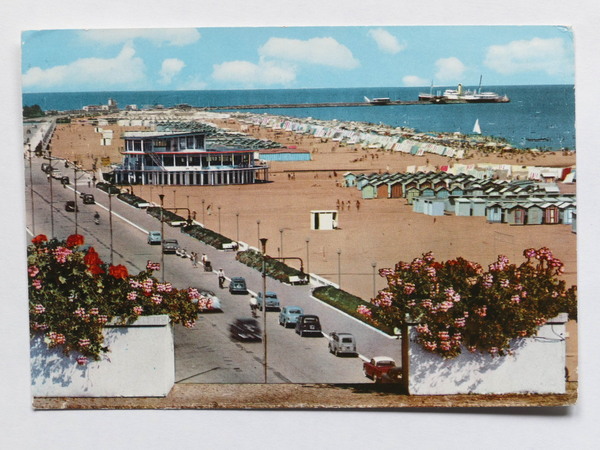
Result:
<point x="315" y="105"/>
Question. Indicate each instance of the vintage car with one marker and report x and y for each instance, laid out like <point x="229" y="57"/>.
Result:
<point x="245" y="330"/>
<point x="238" y="286"/>
<point x="377" y="366"/>
<point x="170" y="246"/>
<point x="342" y="344"/>
<point x="289" y="315"/>
<point x="272" y="301"/>
<point x="88" y="199"/>
<point x="70" y="206"/>
<point x="308" y="324"/>
<point x="154" y="237"/>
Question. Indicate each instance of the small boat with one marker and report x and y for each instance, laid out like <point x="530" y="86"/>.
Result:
<point x="476" y="127"/>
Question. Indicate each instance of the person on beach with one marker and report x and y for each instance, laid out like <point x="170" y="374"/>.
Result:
<point x="221" y="276"/>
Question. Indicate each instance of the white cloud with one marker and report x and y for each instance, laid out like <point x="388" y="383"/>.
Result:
<point x="449" y="69"/>
<point x="170" y="67"/>
<point x="414" y="81"/>
<point x="123" y="70"/>
<point x="323" y="51"/>
<point x="386" y="41"/>
<point x="164" y="36"/>
<point x="546" y="55"/>
<point x="249" y="74"/>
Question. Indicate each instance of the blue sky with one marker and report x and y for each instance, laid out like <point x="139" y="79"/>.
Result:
<point x="294" y="57"/>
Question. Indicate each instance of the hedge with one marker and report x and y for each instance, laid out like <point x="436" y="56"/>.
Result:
<point x="168" y="216"/>
<point x="274" y="269"/>
<point x="108" y="188"/>
<point x="131" y="199"/>
<point x="207" y="236"/>
<point x="348" y="303"/>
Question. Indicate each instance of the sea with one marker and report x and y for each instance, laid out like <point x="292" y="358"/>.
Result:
<point x="541" y="117"/>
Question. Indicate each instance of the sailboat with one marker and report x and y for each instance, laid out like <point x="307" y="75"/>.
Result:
<point x="476" y="127"/>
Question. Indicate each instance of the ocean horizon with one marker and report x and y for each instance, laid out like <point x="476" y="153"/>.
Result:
<point x="536" y="117"/>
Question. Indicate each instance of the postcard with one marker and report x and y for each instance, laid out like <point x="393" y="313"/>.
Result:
<point x="301" y="217"/>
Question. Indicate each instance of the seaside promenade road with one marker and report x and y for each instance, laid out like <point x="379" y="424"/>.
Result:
<point x="205" y="353"/>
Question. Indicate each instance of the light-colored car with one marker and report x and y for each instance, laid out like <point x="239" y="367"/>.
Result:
<point x="170" y="246"/>
<point x="272" y="301"/>
<point x="154" y="237"/>
<point x="289" y="315"/>
<point x="342" y="344"/>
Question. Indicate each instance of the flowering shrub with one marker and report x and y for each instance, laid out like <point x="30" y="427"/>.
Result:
<point x="73" y="294"/>
<point x="456" y="304"/>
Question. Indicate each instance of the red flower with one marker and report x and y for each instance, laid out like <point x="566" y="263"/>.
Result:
<point x="75" y="240"/>
<point x="91" y="258"/>
<point x="39" y="239"/>
<point x="119" y="271"/>
<point x="95" y="269"/>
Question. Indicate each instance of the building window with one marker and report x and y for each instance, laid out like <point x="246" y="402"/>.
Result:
<point x="181" y="143"/>
<point x="199" y="141"/>
<point x="168" y="160"/>
<point x="214" y="160"/>
<point x="227" y="160"/>
<point x="194" y="160"/>
<point x="137" y="145"/>
<point x="181" y="161"/>
<point x="190" y="142"/>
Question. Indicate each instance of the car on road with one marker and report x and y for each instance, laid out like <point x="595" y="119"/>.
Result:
<point x="70" y="206"/>
<point x="88" y="199"/>
<point x="56" y="174"/>
<point x="65" y="180"/>
<point x="237" y="285"/>
<point x="342" y="344"/>
<point x="245" y="330"/>
<point x="377" y="366"/>
<point x="170" y="246"/>
<point x="208" y="302"/>
<point x="308" y="324"/>
<point x="272" y="301"/>
<point x="289" y="315"/>
<point x="154" y="237"/>
<point x="394" y="375"/>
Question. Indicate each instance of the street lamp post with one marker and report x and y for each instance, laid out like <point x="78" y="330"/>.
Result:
<point x="373" y="265"/>
<point x="31" y="190"/>
<point x="110" y="223"/>
<point x="263" y="243"/>
<point x="51" y="197"/>
<point x="281" y="242"/>
<point x="174" y="198"/>
<point x="237" y="227"/>
<point x="75" y="193"/>
<point x="339" y="253"/>
<point x="203" y="222"/>
<point x="258" y="230"/>
<point x="219" y="209"/>
<point x="162" y="236"/>
<point x="307" y="267"/>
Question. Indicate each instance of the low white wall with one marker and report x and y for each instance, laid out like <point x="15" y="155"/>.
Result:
<point x="140" y="363"/>
<point x="537" y="366"/>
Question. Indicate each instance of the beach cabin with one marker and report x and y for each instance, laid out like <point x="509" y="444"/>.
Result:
<point x="323" y="220"/>
<point x="516" y="214"/>
<point x="478" y="207"/>
<point x="495" y="212"/>
<point x="382" y="189"/>
<point x="412" y="193"/>
<point x="427" y="192"/>
<point x="551" y="213"/>
<point x="395" y="188"/>
<point x="418" y="205"/>
<point x="442" y="192"/>
<point x="535" y="215"/>
<point x="369" y="190"/>
<point x="574" y="222"/>
<point x="462" y="207"/>
<point x="433" y="206"/>
<point x="349" y="179"/>
<point x="567" y="212"/>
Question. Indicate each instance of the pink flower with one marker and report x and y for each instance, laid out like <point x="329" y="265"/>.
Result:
<point x="33" y="271"/>
<point x="157" y="299"/>
<point x="39" y="309"/>
<point x="84" y="343"/>
<point x="132" y="295"/>
<point x="135" y="284"/>
<point x="37" y="283"/>
<point x="82" y="360"/>
<point x="138" y="310"/>
<point x="102" y="318"/>
<point x="61" y="253"/>
<point x="363" y="310"/>
<point x="164" y="287"/>
<point x="152" y="266"/>
<point x="515" y="299"/>
<point x="94" y="311"/>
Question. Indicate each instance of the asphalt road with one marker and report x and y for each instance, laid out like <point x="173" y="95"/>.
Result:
<point x="205" y="353"/>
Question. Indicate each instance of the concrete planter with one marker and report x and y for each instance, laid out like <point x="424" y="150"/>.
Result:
<point x="140" y="363"/>
<point x="537" y="366"/>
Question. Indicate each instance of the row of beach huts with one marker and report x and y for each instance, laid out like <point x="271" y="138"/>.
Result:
<point x="518" y="202"/>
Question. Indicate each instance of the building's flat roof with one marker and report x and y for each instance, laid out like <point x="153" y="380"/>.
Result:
<point x="146" y="134"/>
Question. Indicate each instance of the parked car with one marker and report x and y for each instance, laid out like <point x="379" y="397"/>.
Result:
<point x="342" y="344"/>
<point x="394" y="375"/>
<point x="70" y="206"/>
<point x="88" y="199"/>
<point x="208" y="302"/>
<point x="272" y="301"/>
<point x="289" y="315"/>
<point x="308" y="324"/>
<point x="245" y="330"/>
<point x="154" y="237"/>
<point x="238" y="286"/>
<point x="65" y="180"/>
<point x="45" y="167"/>
<point x="170" y="246"/>
<point x="377" y="366"/>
